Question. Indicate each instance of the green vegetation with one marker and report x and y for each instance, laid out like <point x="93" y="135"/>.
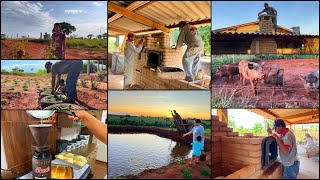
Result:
<point x="222" y="99"/>
<point x="41" y="72"/>
<point x="182" y="162"/>
<point x="95" y="85"/>
<point x="87" y="44"/>
<point x="6" y="80"/>
<point x="111" y="45"/>
<point x="205" y="172"/>
<point x="186" y="174"/>
<point x="11" y="88"/>
<point x="84" y="83"/>
<point x="102" y="74"/>
<point x="219" y="60"/>
<point x="93" y="67"/>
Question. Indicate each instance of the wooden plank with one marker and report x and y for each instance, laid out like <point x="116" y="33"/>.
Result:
<point x="132" y="7"/>
<point x="120" y="31"/>
<point x="136" y="17"/>
<point x="308" y="113"/>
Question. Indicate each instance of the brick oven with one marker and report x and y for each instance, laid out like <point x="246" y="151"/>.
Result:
<point x="158" y="66"/>
<point x="264" y="45"/>
<point x="243" y="157"/>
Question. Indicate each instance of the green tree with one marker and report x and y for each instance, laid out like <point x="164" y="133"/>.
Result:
<point x="93" y="67"/>
<point x="105" y="35"/>
<point x="3" y="36"/>
<point x="90" y="36"/>
<point x="16" y="69"/>
<point x="231" y="123"/>
<point x="99" y="36"/>
<point x="258" y="128"/>
<point x="111" y="45"/>
<point x="66" y="28"/>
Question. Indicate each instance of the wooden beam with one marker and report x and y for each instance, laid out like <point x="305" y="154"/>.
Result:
<point x="223" y="115"/>
<point x="132" y="7"/>
<point x="118" y="30"/>
<point x="312" y="119"/>
<point x="309" y="113"/>
<point x="136" y="17"/>
<point x="264" y="113"/>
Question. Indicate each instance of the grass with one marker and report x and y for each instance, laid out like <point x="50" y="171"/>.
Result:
<point x="11" y="88"/>
<point x="6" y="80"/>
<point x="224" y="100"/>
<point x="186" y="173"/>
<point x="205" y="172"/>
<point x="87" y="44"/>
<point x="41" y="72"/>
<point x="182" y="162"/>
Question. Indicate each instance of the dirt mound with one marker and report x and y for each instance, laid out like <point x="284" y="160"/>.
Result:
<point x="37" y="51"/>
<point x="296" y="95"/>
<point x="18" y="100"/>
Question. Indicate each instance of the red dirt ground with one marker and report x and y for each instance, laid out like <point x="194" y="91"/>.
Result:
<point x="37" y="51"/>
<point x="296" y="97"/>
<point x="173" y="170"/>
<point x="19" y="99"/>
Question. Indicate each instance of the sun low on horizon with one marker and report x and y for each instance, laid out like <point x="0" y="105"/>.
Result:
<point x="189" y="104"/>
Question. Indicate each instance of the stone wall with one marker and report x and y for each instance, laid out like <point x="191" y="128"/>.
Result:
<point x="263" y="45"/>
<point x="265" y="24"/>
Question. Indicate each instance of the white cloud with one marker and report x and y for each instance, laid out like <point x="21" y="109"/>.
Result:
<point x="22" y="16"/>
<point x="98" y="3"/>
<point x="39" y="4"/>
<point x="75" y="11"/>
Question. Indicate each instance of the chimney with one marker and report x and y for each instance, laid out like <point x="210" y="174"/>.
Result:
<point x="296" y="30"/>
<point x="265" y="23"/>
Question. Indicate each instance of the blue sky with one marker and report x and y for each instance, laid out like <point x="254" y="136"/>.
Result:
<point x="290" y="13"/>
<point x="26" y="65"/>
<point x="33" y="17"/>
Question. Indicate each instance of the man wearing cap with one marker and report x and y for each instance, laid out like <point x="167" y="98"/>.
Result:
<point x="190" y="35"/>
<point x="287" y="149"/>
<point x="197" y="130"/>
<point x="129" y="50"/>
<point x="273" y="12"/>
<point x="70" y="67"/>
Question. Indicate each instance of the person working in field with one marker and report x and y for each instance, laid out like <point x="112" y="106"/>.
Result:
<point x="197" y="130"/>
<point x="190" y="35"/>
<point x="70" y="67"/>
<point x="270" y="11"/>
<point x="59" y="42"/>
<point x="129" y="50"/>
<point x="288" y="151"/>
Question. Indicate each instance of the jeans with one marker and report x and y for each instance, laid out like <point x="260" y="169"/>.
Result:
<point x="291" y="172"/>
<point x="72" y="78"/>
<point x="274" y="21"/>
<point x="191" y="66"/>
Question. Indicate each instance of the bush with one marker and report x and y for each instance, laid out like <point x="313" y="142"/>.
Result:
<point x="205" y="172"/>
<point x="95" y="85"/>
<point x="11" y="88"/>
<point x="102" y="74"/>
<point x="84" y="83"/>
<point x="182" y="162"/>
<point x="186" y="174"/>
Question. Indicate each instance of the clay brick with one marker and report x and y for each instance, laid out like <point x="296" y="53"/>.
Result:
<point x="226" y="129"/>
<point x="219" y="123"/>
<point x="231" y="145"/>
<point x="251" y="147"/>
<point x="233" y="176"/>
<point x="246" y="172"/>
<point x="215" y="128"/>
<point x="219" y="133"/>
<point x="215" y="138"/>
<point x="232" y="133"/>
<point x="255" y="153"/>
<point x="235" y="151"/>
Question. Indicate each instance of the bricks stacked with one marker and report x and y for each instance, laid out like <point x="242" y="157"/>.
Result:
<point x="263" y="45"/>
<point x="149" y="79"/>
<point x="265" y="24"/>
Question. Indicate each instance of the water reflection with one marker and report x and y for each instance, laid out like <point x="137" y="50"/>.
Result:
<point x="133" y="153"/>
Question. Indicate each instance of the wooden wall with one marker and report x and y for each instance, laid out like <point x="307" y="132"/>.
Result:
<point x="17" y="140"/>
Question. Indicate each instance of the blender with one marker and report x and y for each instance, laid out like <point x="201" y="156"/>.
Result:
<point x="41" y="158"/>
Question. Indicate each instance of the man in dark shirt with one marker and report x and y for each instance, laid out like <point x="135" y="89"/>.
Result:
<point x="70" y="67"/>
<point x="270" y="11"/>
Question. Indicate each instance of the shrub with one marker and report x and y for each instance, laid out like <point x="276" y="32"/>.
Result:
<point x="11" y="88"/>
<point x="182" y="162"/>
<point x="95" y="85"/>
<point x="6" y="80"/>
<point x="205" y="172"/>
<point x="84" y="83"/>
<point x="186" y="174"/>
<point x="102" y="74"/>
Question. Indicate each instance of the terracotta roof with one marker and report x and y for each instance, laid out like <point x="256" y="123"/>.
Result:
<point x="290" y="116"/>
<point x="219" y="35"/>
<point x="246" y="24"/>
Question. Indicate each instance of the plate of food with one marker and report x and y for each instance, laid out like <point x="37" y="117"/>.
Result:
<point x="75" y="161"/>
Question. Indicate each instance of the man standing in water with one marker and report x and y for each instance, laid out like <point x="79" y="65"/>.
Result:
<point x="70" y="67"/>
<point x="197" y="130"/>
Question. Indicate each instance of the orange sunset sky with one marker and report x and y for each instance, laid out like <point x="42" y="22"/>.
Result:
<point x="189" y="104"/>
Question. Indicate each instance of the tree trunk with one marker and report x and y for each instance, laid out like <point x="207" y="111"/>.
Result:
<point x="88" y="67"/>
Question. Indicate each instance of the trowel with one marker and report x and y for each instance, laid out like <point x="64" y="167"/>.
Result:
<point x="45" y="114"/>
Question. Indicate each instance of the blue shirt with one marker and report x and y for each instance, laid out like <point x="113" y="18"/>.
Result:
<point x="197" y="131"/>
<point x="196" y="148"/>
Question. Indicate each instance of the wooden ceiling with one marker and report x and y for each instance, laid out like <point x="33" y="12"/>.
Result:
<point x="290" y="116"/>
<point x="145" y="16"/>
